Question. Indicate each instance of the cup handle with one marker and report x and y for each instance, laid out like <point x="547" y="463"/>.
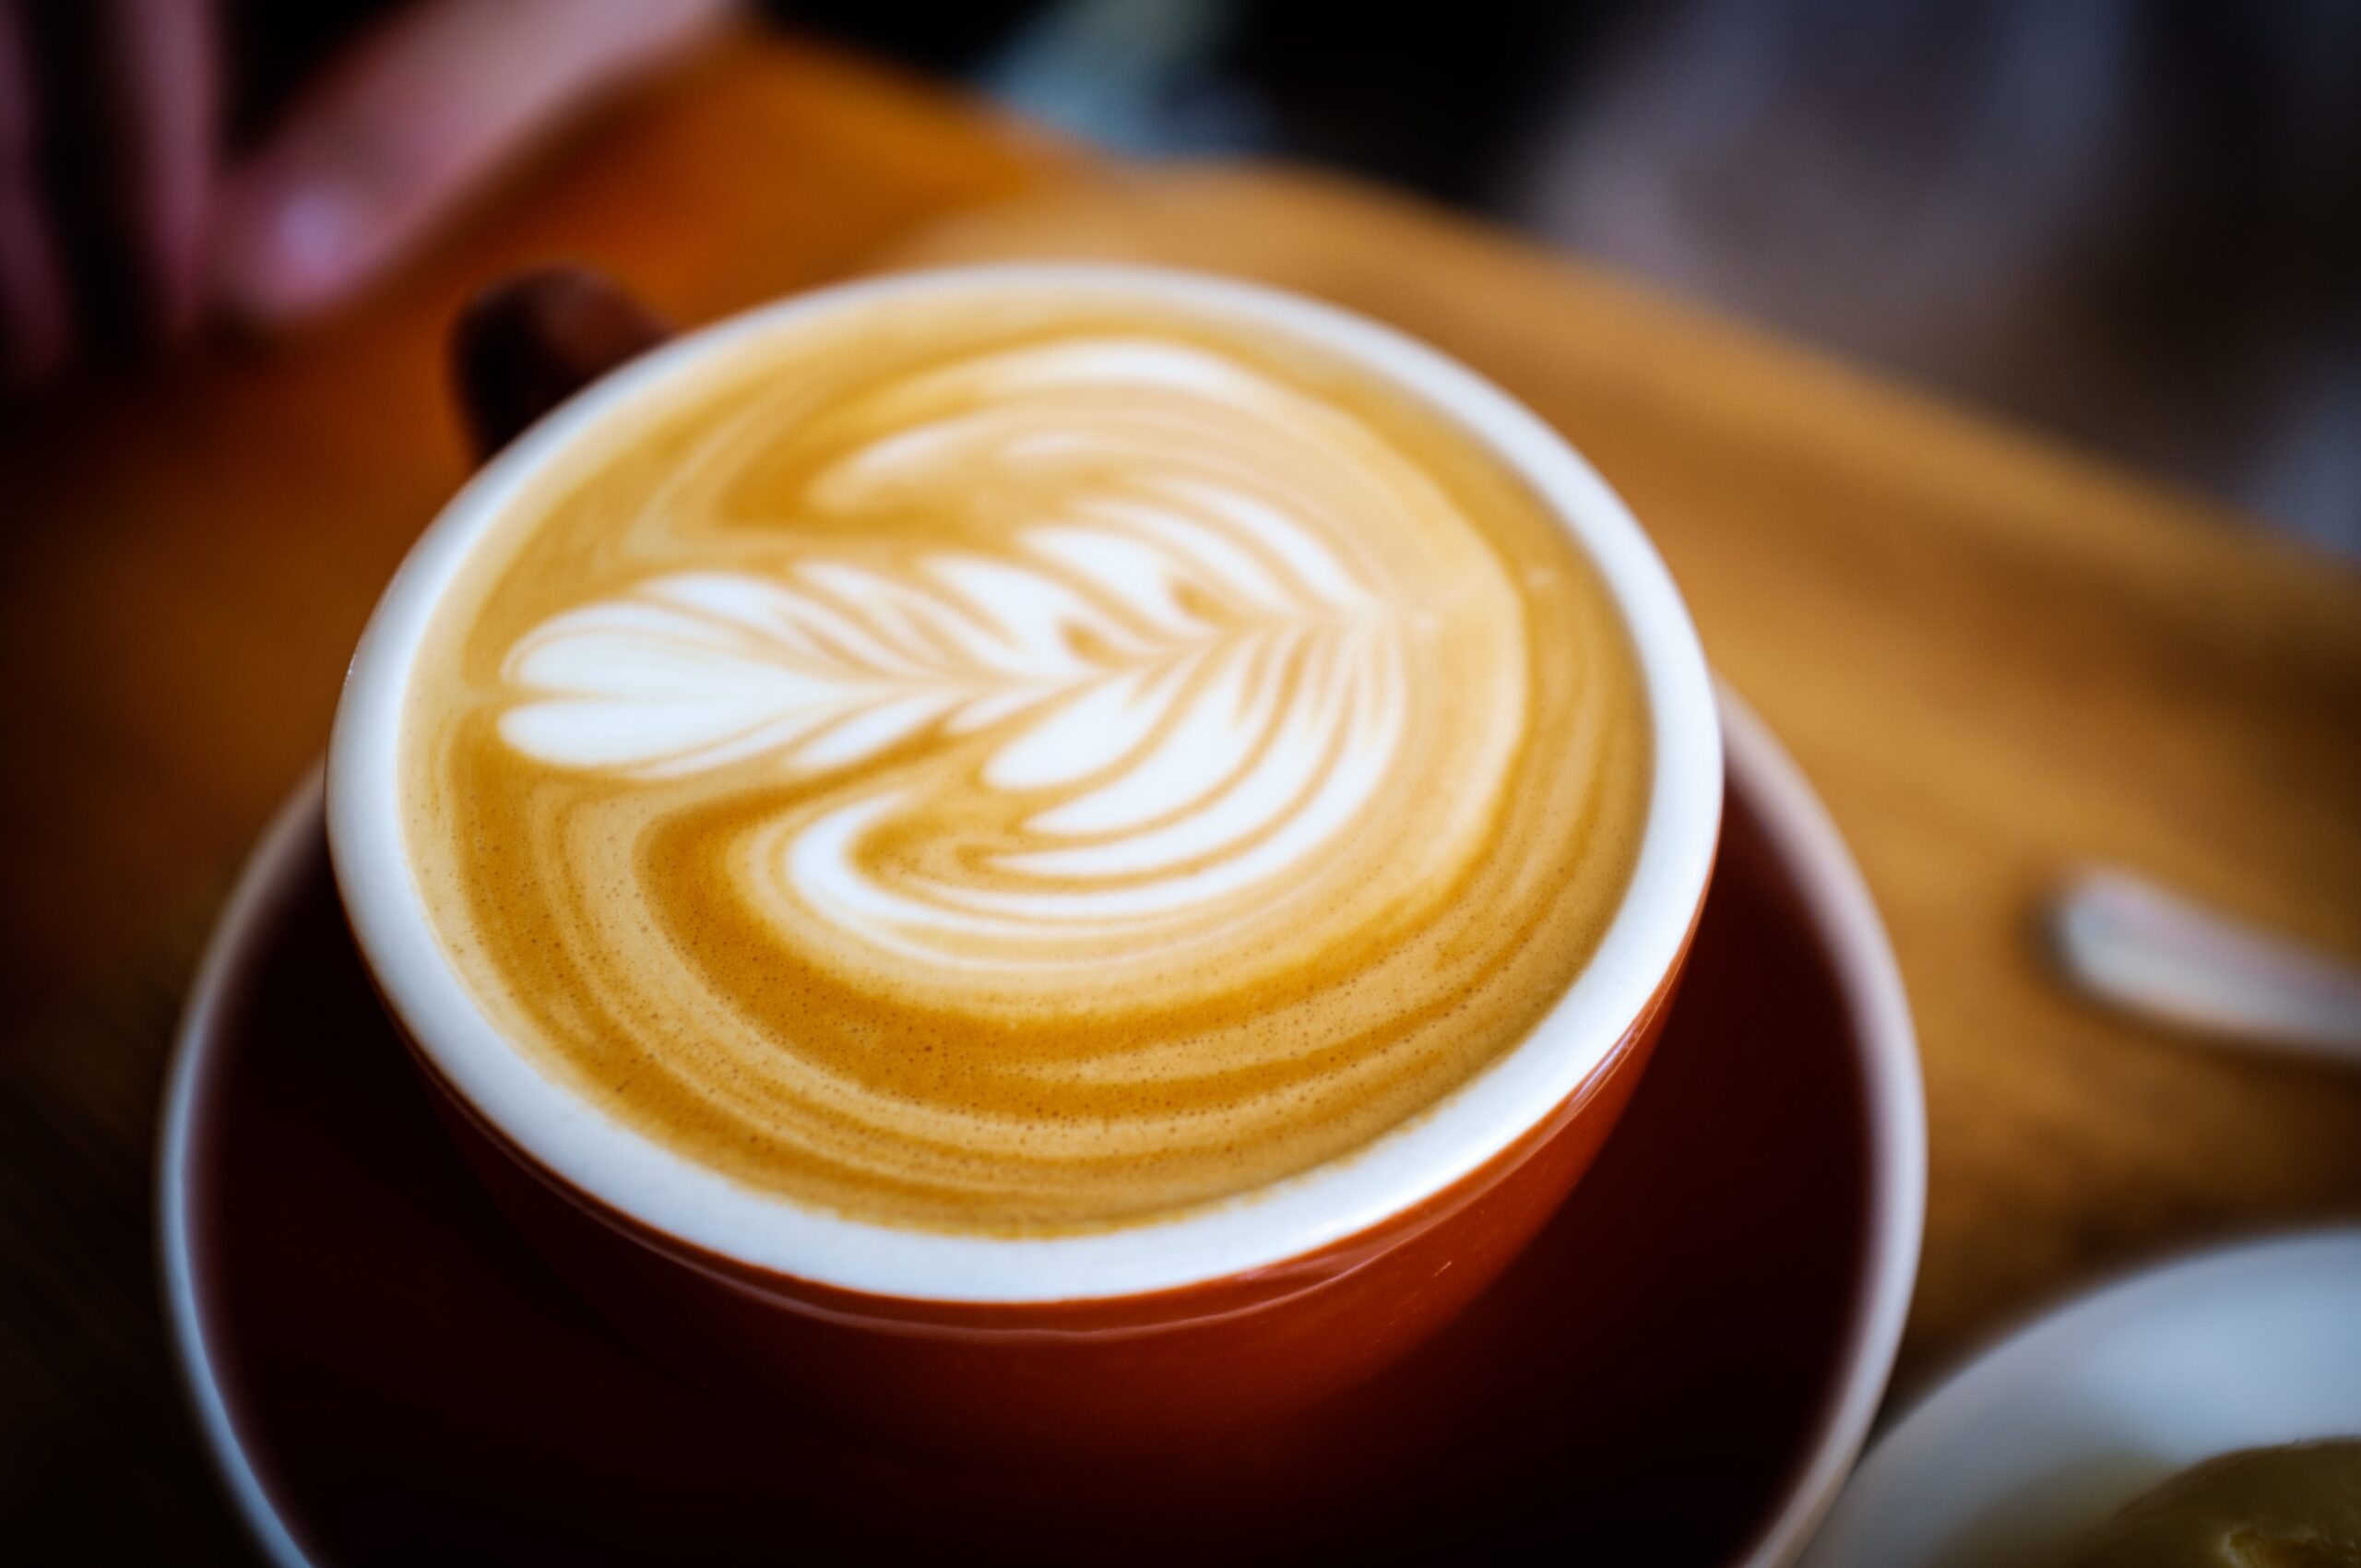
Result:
<point x="527" y="343"/>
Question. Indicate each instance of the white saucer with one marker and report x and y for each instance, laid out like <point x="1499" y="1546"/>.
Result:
<point x="2055" y="1428"/>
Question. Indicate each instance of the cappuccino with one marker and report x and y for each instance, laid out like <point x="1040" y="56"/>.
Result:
<point x="1011" y="764"/>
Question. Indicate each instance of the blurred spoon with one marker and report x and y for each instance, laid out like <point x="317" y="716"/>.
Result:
<point x="2130" y="943"/>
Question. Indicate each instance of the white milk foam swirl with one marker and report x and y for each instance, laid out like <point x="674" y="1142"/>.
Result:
<point x="1194" y="672"/>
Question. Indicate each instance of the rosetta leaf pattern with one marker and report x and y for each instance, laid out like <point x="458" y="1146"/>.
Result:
<point x="1189" y="696"/>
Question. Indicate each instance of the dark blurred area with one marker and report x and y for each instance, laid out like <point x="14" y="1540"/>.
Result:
<point x="2137" y="224"/>
<point x="2131" y="223"/>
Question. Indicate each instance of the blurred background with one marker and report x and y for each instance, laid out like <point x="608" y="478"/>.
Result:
<point x="2135" y="221"/>
<point x="2131" y="223"/>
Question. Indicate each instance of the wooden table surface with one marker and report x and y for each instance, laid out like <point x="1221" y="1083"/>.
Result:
<point x="1994" y="656"/>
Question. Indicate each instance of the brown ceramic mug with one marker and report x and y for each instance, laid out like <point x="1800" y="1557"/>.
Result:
<point x="1155" y="1332"/>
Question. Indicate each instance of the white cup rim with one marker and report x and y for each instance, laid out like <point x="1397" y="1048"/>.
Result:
<point x="630" y="1173"/>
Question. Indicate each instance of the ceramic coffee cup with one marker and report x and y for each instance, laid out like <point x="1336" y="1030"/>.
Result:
<point x="1151" y="1332"/>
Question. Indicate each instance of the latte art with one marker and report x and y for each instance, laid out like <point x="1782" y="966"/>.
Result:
<point x="1024" y="770"/>
<point x="1185" y="686"/>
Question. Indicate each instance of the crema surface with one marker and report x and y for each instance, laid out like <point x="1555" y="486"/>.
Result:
<point x="1021" y="768"/>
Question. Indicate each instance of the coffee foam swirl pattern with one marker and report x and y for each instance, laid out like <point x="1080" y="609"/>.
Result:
<point x="1184" y="682"/>
<point x="1028" y="774"/>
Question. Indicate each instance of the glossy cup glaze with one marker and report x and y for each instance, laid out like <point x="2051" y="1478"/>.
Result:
<point x="1151" y="1332"/>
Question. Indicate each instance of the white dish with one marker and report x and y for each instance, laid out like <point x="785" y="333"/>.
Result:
<point x="2052" y="1431"/>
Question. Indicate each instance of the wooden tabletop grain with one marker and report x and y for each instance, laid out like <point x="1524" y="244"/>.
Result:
<point x="1994" y="656"/>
